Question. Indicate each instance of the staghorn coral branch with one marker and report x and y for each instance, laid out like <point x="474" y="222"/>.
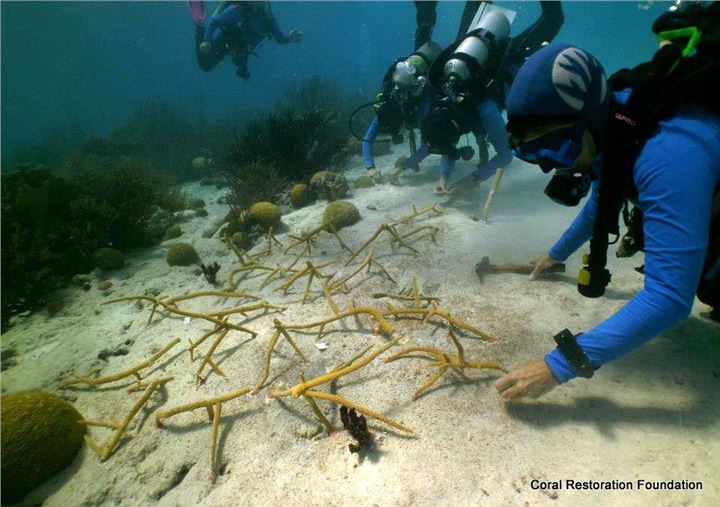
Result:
<point x="188" y="407"/>
<point x="311" y="272"/>
<point x="173" y="309"/>
<point x="368" y="262"/>
<point x="299" y="389"/>
<point x="342" y="401"/>
<point x="279" y="330"/>
<point x="252" y="266"/>
<point x="214" y="410"/>
<point x="263" y="305"/>
<point x="409" y="218"/>
<point x="433" y="231"/>
<point x="208" y="358"/>
<point x="384" y="227"/>
<point x="106" y="451"/>
<point x="215" y="414"/>
<point x="443" y="362"/>
<point x="316" y="410"/>
<point x="428" y="313"/>
<point x="309" y="239"/>
<point x="200" y="341"/>
<point x="383" y="324"/>
<point x="216" y="293"/>
<point x="135" y="370"/>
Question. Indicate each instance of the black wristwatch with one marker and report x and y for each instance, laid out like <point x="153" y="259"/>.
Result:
<point x="567" y="344"/>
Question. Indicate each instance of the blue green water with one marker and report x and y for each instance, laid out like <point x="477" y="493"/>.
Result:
<point x="85" y="65"/>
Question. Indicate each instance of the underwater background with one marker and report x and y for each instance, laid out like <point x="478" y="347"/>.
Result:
<point x="83" y="66"/>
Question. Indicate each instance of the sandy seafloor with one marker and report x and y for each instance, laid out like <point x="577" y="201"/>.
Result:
<point x="652" y="415"/>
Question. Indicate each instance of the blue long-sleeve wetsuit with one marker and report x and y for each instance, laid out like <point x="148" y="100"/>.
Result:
<point x="374" y="128"/>
<point x="238" y="19"/>
<point x="675" y="175"/>
<point x="490" y="122"/>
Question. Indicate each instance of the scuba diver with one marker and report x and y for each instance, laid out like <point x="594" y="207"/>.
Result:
<point x="426" y="15"/>
<point x="471" y="77"/>
<point x="402" y="103"/>
<point x="235" y="29"/>
<point x="650" y="135"/>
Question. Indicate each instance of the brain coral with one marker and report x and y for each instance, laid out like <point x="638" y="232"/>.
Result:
<point x="264" y="214"/>
<point x="300" y="195"/>
<point x="340" y="214"/>
<point x="182" y="254"/>
<point x="41" y="435"/>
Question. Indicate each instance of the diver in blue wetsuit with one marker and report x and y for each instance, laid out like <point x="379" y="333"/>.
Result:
<point x="236" y="29"/>
<point x="402" y="104"/>
<point x="471" y="76"/>
<point x="650" y="135"/>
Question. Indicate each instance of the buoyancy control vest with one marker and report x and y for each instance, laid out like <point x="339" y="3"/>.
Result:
<point x="659" y="87"/>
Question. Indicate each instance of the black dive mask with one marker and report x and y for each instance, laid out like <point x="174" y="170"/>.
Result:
<point x="568" y="189"/>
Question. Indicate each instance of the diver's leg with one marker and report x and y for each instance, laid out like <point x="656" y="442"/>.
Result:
<point x="425" y="16"/>
<point x="468" y="14"/>
<point x="543" y="30"/>
<point x="240" y="61"/>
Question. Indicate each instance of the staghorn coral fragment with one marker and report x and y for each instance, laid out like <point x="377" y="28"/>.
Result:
<point x="390" y="230"/>
<point x="409" y="218"/>
<point x="407" y="295"/>
<point x="174" y="309"/>
<point x="316" y="410"/>
<point x="135" y="370"/>
<point x="217" y="293"/>
<point x="359" y="408"/>
<point x="215" y="413"/>
<point x="309" y="239"/>
<point x="280" y="330"/>
<point x="105" y="451"/>
<point x="429" y="313"/>
<point x="432" y="232"/>
<point x="369" y="262"/>
<point x="243" y="310"/>
<point x="444" y="361"/>
<point x="311" y="272"/>
<point x="207" y="360"/>
<point x="246" y="268"/>
<point x="299" y="389"/>
<point x="376" y="314"/>
<point x="214" y="410"/>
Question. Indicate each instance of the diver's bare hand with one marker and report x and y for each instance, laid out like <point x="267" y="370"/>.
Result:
<point x="533" y="379"/>
<point x="541" y="264"/>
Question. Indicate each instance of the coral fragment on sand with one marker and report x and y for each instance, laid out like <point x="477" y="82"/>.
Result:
<point x="134" y="371"/>
<point x="105" y="451"/>
<point x="444" y="361"/>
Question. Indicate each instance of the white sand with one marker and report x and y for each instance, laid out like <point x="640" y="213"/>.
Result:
<point x="653" y="415"/>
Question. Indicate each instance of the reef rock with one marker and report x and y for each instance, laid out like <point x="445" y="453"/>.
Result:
<point x="329" y="185"/>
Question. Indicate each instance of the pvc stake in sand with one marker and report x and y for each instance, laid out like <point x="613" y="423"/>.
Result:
<point x="491" y="195"/>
